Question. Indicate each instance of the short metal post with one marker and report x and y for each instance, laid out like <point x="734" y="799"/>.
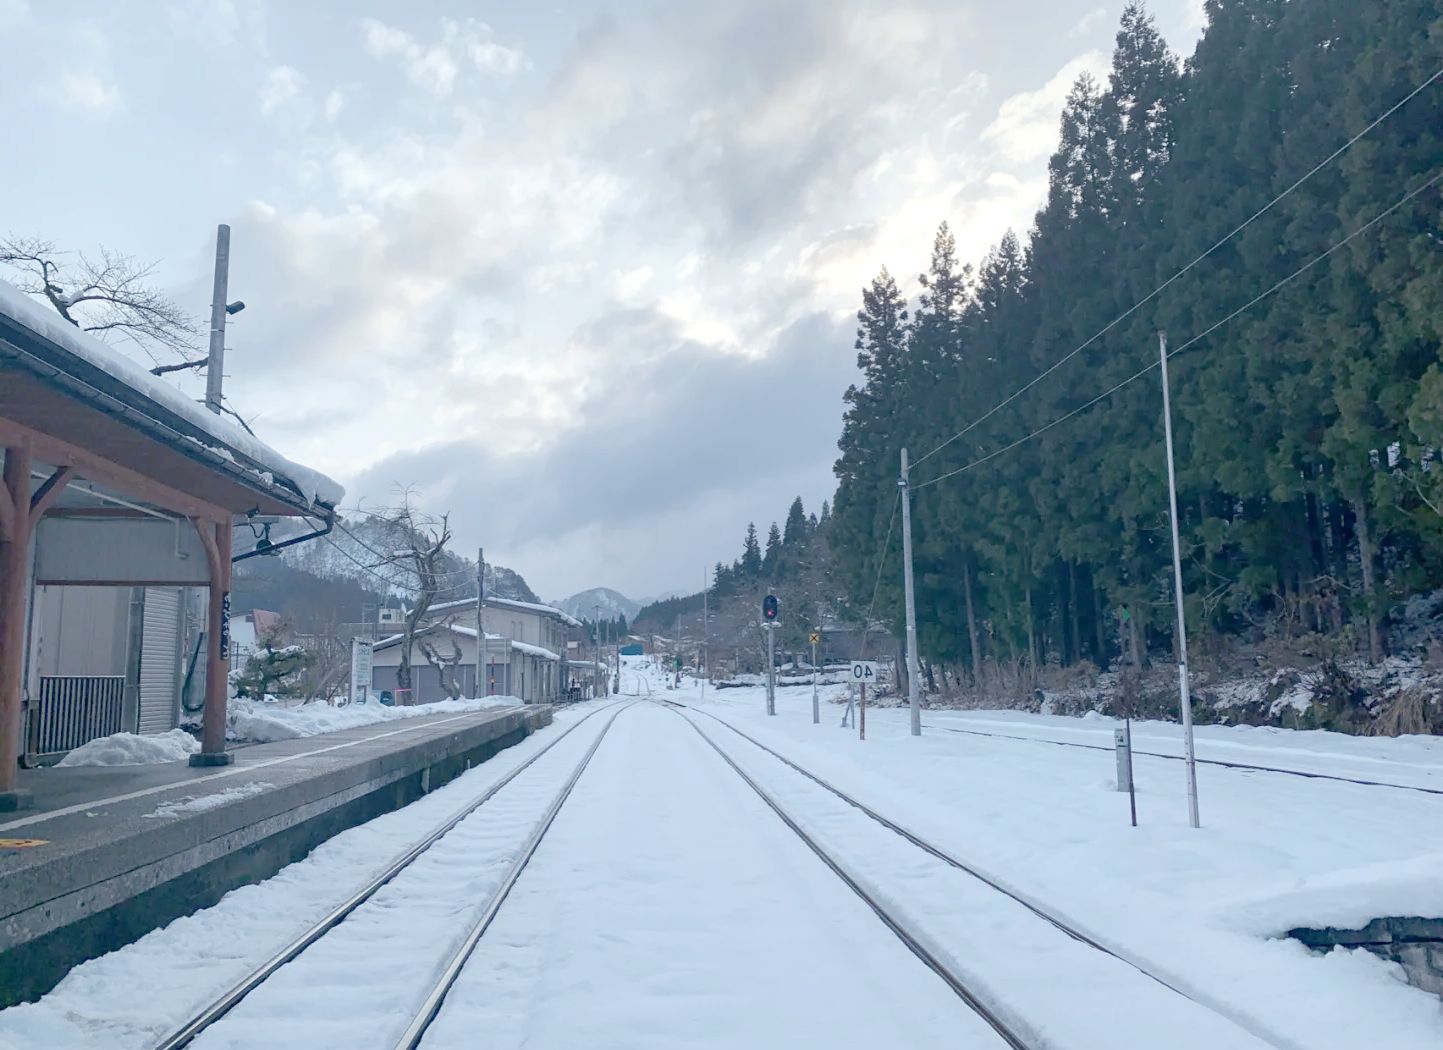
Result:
<point x="816" y="709"/>
<point x="771" y="669"/>
<point x="862" y="715"/>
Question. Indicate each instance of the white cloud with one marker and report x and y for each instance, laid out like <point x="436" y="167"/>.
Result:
<point x="680" y="215"/>
<point x="283" y="88"/>
<point x="1027" y="124"/>
<point x="435" y="67"/>
<point x="87" y="92"/>
<point x="335" y="102"/>
<point x="1088" y="22"/>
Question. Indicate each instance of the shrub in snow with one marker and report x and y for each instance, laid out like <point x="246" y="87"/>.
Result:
<point x="274" y="666"/>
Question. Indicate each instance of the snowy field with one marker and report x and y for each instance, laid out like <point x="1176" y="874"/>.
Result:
<point x="668" y="906"/>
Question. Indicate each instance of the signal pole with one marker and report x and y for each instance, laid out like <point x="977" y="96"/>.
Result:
<point x="480" y="600"/>
<point x="705" y="632"/>
<point x="911" y="602"/>
<point x="769" y="616"/>
<point x="1185" y="701"/>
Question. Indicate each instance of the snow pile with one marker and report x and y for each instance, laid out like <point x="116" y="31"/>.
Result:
<point x="312" y="484"/>
<point x="128" y="749"/>
<point x="263" y="723"/>
<point x="201" y="803"/>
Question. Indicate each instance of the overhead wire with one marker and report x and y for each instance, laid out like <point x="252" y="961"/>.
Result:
<point x="1434" y="180"/>
<point x="1160" y="288"/>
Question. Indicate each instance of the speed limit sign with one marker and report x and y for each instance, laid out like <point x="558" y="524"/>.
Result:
<point x="864" y="671"/>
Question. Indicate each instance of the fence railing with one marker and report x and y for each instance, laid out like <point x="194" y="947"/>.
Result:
<point x="75" y="709"/>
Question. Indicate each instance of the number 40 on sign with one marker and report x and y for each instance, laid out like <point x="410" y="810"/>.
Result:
<point x="864" y="671"/>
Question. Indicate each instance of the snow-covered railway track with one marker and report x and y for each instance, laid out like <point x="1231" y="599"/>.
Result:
<point x="1246" y="766"/>
<point x="1170" y="1009"/>
<point x="223" y="1006"/>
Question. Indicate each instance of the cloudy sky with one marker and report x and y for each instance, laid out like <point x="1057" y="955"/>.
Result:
<point x="582" y="273"/>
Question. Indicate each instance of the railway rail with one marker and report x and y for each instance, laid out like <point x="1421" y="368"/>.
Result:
<point x="220" y="1007"/>
<point x="899" y="926"/>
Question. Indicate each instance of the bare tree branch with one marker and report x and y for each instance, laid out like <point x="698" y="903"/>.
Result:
<point x="160" y="370"/>
<point x="113" y="294"/>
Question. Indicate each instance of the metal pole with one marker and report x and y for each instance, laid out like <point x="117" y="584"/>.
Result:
<point x="215" y="368"/>
<point x="1184" y="699"/>
<point x="911" y="601"/>
<point x="771" y="670"/>
<point x="481" y="597"/>
<point x="816" y="710"/>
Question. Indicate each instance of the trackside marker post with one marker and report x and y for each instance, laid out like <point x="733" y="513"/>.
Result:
<point x="863" y="671"/>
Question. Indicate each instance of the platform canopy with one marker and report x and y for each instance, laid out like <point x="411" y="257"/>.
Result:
<point x="114" y="477"/>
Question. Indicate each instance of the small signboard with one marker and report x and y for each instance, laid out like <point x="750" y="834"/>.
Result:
<point x="815" y="638"/>
<point x="360" y="670"/>
<point x="864" y="671"/>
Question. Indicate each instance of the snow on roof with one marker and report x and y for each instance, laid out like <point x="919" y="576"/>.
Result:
<point x="512" y="603"/>
<point x="534" y="650"/>
<point x="23" y="310"/>
<point x="454" y="628"/>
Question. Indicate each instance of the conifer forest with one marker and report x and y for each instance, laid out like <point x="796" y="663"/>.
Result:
<point x="1306" y="382"/>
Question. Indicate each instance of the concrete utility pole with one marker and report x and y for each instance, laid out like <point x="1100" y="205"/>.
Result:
<point x="705" y="632"/>
<point x="216" y="366"/>
<point x="480" y="627"/>
<point x="1184" y="699"/>
<point x="911" y="602"/>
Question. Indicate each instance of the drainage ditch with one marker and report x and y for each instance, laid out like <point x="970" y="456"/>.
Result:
<point x="1413" y="943"/>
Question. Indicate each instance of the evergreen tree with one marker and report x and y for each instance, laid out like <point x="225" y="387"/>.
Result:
<point x="772" y="559"/>
<point x="796" y="527"/>
<point x="751" y="563"/>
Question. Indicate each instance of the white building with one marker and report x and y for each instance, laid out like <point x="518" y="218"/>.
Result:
<point x="521" y="654"/>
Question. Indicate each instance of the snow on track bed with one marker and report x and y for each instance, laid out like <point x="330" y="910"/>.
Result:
<point x="362" y="984"/>
<point x="185" y="966"/>
<point x="669" y="907"/>
<point x="1035" y="974"/>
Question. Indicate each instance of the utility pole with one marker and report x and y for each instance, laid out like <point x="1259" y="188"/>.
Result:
<point x="706" y="632"/>
<point x="480" y="600"/>
<point x="215" y="367"/>
<point x="1184" y="699"/>
<point x="911" y="602"/>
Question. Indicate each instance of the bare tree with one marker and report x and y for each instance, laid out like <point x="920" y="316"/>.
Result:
<point x="445" y="665"/>
<point x="331" y="664"/>
<point x="416" y="566"/>
<point x="109" y="295"/>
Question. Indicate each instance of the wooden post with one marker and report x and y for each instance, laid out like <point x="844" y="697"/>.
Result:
<point x="212" y="738"/>
<point x="14" y="551"/>
<point x="20" y="513"/>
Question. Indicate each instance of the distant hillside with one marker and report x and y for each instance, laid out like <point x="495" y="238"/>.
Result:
<point x="584" y="606"/>
<point x="660" y="616"/>
<point x="330" y="579"/>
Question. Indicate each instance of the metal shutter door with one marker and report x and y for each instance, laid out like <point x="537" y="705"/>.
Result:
<point x="159" y="646"/>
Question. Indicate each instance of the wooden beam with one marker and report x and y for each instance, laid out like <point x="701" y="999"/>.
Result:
<point x="96" y="468"/>
<point x="48" y="493"/>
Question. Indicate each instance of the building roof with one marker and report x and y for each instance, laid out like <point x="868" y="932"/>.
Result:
<point x="511" y="603"/>
<point x="467" y="632"/>
<point x="60" y="358"/>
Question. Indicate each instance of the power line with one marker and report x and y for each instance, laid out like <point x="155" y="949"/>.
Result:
<point x="1201" y="335"/>
<point x="881" y="564"/>
<point x="1159" y="289"/>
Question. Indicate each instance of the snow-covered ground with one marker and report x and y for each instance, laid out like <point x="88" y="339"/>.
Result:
<point x="669" y="907"/>
<point x="262" y="723"/>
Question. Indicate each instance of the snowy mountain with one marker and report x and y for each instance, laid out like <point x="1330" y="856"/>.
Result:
<point x="585" y="605"/>
<point x="358" y="547"/>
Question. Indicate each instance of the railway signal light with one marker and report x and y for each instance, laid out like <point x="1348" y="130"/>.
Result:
<point x="769" y="608"/>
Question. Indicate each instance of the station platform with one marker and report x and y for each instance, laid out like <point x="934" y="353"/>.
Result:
<point x="110" y="853"/>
